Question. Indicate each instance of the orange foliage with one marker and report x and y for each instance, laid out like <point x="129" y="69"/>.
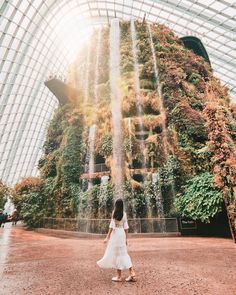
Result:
<point x="28" y="184"/>
<point x="224" y="160"/>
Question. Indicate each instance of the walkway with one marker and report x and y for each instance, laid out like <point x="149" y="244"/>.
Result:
<point x="33" y="263"/>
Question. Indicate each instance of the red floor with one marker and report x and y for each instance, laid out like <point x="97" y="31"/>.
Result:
<point x="31" y="263"/>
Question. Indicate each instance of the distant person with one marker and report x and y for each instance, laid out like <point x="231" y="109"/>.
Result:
<point x="116" y="255"/>
<point x="14" y="217"/>
<point x="2" y="217"/>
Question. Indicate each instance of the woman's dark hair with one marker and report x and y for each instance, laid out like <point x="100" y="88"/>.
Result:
<point x="118" y="210"/>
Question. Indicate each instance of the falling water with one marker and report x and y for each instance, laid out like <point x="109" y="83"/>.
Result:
<point x="79" y="69"/>
<point x="92" y="133"/>
<point x="130" y="140"/>
<point x="86" y="90"/>
<point x="4" y="247"/>
<point x="86" y="165"/>
<point x="137" y="89"/>
<point x="159" y="91"/>
<point x="102" y="206"/>
<point x="158" y="194"/>
<point x="160" y="96"/>
<point x="159" y="200"/>
<point x="98" y="49"/>
<point x="114" y="73"/>
<point x="139" y="113"/>
<point x="91" y="166"/>
<point x="9" y="206"/>
<point x="132" y="202"/>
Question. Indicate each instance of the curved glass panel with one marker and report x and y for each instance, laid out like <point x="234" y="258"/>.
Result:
<point x="40" y="38"/>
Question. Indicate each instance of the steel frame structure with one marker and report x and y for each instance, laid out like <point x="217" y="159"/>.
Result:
<point x="32" y="48"/>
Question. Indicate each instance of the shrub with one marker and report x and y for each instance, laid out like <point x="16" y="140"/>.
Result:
<point x="31" y="201"/>
<point x="4" y="193"/>
<point x="200" y="200"/>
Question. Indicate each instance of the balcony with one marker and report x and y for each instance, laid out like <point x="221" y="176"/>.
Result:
<point x="99" y="171"/>
<point x="63" y="92"/>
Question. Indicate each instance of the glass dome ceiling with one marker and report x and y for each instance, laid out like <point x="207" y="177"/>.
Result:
<point x="39" y="38"/>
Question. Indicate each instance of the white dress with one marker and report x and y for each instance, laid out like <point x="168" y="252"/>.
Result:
<point x="116" y="255"/>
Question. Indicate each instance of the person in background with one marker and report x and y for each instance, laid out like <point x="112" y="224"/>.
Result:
<point x="1" y="217"/>
<point x="14" y="217"/>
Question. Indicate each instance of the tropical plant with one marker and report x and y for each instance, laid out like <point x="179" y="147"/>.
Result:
<point x="200" y="199"/>
<point x="31" y="201"/>
<point x="4" y="193"/>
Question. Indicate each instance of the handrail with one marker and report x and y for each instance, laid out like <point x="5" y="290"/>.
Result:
<point x="131" y="219"/>
<point x="100" y="225"/>
<point x="97" y="168"/>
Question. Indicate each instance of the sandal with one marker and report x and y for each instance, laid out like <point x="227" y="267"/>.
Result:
<point x="116" y="279"/>
<point x="131" y="279"/>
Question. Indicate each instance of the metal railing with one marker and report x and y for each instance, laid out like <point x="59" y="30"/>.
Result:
<point x="97" y="168"/>
<point x="100" y="226"/>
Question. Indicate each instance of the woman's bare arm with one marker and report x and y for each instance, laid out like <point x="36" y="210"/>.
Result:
<point x="126" y="235"/>
<point x="108" y="235"/>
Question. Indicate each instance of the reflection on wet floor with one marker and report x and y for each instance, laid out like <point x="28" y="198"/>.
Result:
<point x="5" y="233"/>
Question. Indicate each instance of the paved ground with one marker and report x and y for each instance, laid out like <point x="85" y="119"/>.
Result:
<point x="33" y="263"/>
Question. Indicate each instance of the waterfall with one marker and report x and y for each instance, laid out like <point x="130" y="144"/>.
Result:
<point x="92" y="130"/>
<point x="81" y="68"/>
<point x="96" y="80"/>
<point x="134" y="51"/>
<point x="160" y="96"/>
<point x="114" y="75"/>
<point x="130" y="139"/>
<point x="89" y="168"/>
<point x="132" y="203"/>
<point x="159" y="201"/>
<point x="159" y="92"/>
<point x="137" y="89"/>
<point x="86" y="90"/>
<point x="102" y="206"/>
<point x="92" y="133"/>
<point x="158" y="194"/>
<point x="9" y="206"/>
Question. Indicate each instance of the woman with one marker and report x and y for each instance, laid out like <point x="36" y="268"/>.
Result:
<point x="116" y="255"/>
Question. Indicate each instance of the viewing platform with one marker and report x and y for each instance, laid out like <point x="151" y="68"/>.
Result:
<point x="98" y="171"/>
<point x="63" y="92"/>
<point x="102" y="170"/>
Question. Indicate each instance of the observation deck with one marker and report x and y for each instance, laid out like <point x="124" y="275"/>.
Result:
<point x="63" y="92"/>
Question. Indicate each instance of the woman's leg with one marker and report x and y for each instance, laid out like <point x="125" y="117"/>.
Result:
<point x="118" y="277"/>
<point x="118" y="273"/>
<point x="131" y="271"/>
<point x="131" y="277"/>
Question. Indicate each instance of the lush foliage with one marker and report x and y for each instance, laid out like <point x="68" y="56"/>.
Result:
<point x="31" y="201"/>
<point x="223" y="154"/>
<point x="4" y="193"/>
<point x="97" y="201"/>
<point x="200" y="199"/>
